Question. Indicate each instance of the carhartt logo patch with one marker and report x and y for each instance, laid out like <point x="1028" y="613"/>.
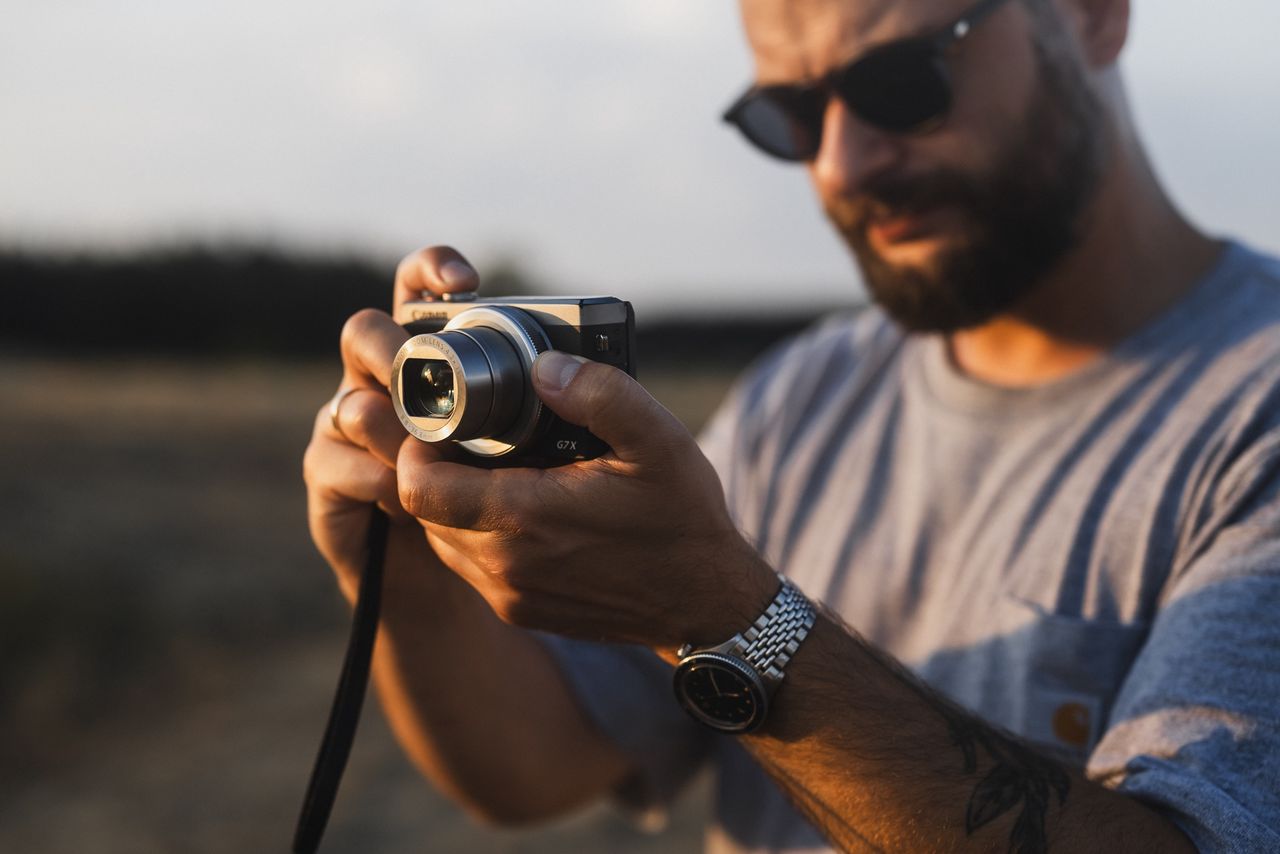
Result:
<point x="1071" y="724"/>
<point x="1064" y="722"/>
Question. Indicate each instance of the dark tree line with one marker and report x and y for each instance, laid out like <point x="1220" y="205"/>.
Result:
<point x="200" y="301"/>
<point x="184" y="301"/>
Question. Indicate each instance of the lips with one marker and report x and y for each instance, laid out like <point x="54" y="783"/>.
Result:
<point x="902" y="227"/>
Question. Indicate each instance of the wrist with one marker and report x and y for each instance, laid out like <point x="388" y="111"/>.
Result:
<point x="729" y="686"/>
<point x="738" y="586"/>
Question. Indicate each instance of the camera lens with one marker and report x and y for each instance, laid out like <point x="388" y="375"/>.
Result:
<point x="462" y="385"/>
<point x="437" y="395"/>
<point x="470" y="382"/>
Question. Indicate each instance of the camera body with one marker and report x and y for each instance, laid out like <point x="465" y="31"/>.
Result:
<point x="466" y="373"/>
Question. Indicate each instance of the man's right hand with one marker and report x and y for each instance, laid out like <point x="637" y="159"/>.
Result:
<point x="479" y="705"/>
<point x="350" y="463"/>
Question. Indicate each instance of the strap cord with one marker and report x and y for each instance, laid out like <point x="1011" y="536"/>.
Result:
<point x="344" y="715"/>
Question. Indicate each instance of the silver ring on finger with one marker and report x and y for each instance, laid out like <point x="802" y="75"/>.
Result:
<point x="336" y="404"/>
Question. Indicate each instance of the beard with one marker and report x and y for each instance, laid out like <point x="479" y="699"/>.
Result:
<point x="1021" y="217"/>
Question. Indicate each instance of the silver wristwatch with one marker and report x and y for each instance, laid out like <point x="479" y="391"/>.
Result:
<point x="728" y="687"/>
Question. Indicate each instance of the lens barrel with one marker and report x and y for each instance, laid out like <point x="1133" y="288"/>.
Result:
<point x="471" y="382"/>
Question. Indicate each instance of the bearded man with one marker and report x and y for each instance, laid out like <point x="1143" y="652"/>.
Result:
<point x="1034" y="492"/>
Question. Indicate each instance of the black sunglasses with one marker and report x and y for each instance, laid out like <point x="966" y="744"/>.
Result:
<point x="901" y="86"/>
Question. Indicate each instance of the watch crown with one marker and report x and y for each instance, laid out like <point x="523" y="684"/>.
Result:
<point x="684" y="651"/>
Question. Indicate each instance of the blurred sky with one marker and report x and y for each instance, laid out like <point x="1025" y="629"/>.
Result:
<point x="579" y="137"/>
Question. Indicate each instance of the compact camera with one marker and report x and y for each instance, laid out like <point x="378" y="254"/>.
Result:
<point x="466" y="374"/>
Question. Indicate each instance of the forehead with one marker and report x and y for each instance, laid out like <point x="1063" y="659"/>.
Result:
<point x="799" y="39"/>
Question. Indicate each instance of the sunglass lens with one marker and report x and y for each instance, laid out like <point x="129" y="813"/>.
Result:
<point x="782" y="121"/>
<point x="900" y="87"/>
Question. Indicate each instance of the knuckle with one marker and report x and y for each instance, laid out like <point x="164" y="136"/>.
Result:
<point x="358" y="415"/>
<point x="309" y="464"/>
<point x="513" y="608"/>
<point x="609" y="377"/>
<point x="405" y="265"/>
<point x="515" y="573"/>
<point x="440" y="252"/>
<point x="430" y="256"/>
<point x="606" y="383"/>
<point x="407" y="269"/>
<point x="497" y="564"/>
<point x="359" y="324"/>
<point x="548" y="492"/>
<point x="500" y="608"/>
<point x="321" y="421"/>
<point x="412" y="496"/>
<point x="509" y="518"/>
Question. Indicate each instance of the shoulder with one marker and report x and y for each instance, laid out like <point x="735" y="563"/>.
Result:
<point x="1234" y="328"/>
<point x="1207" y="384"/>
<point x="1216" y="354"/>
<point x="1260" y="267"/>
<point x="1240" y="297"/>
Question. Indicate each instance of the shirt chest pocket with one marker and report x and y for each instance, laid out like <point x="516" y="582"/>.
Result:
<point x="1046" y="677"/>
<point x="1066" y="674"/>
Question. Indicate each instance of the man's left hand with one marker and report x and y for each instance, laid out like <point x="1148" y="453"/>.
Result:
<point x="635" y="546"/>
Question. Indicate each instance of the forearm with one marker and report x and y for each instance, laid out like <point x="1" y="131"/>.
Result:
<point x="481" y="706"/>
<point x="879" y="762"/>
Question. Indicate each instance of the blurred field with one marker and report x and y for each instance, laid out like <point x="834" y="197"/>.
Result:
<point x="169" y="640"/>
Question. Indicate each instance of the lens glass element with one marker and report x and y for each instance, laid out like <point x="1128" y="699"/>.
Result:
<point x="437" y="394"/>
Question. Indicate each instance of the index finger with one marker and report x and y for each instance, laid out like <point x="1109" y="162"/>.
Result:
<point x="437" y="270"/>
<point x="370" y="339"/>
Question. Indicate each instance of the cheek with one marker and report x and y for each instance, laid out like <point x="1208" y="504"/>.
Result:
<point x="994" y="81"/>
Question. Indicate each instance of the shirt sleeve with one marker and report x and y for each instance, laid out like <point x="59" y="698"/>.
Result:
<point x="626" y="691"/>
<point x="1195" y="729"/>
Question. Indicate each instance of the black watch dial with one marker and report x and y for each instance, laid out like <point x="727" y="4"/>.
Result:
<point x="721" y="691"/>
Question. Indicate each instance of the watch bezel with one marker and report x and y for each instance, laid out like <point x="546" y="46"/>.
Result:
<point x="739" y="667"/>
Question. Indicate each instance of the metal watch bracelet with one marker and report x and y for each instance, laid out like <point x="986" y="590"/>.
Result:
<point x="778" y="632"/>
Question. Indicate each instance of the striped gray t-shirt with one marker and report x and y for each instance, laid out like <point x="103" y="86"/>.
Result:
<point x="1093" y="563"/>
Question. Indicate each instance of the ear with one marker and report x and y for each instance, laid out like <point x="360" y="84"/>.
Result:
<point x="1101" y="28"/>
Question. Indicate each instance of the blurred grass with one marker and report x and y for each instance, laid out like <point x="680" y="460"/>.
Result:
<point x="168" y="637"/>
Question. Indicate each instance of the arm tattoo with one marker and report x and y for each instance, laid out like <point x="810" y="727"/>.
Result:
<point x="1013" y="775"/>
<point x="1018" y="775"/>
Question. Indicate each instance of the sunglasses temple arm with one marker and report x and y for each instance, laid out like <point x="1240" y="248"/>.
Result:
<point x="966" y="22"/>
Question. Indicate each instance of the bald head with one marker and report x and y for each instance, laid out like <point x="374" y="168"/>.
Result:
<point x="802" y="39"/>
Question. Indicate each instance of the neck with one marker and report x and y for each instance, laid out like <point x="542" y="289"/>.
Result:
<point x="1137" y="257"/>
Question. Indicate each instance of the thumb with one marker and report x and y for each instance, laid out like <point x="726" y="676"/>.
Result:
<point x="607" y="402"/>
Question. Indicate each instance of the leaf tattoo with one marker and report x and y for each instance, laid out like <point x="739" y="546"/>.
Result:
<point x="1018" y="775"/>
<point x="999" y="792"/>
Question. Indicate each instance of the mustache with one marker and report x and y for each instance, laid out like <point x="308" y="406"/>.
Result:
<point x="885" y="197"/>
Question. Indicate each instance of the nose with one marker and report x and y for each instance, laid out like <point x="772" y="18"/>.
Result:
<point x="851" y="153"/>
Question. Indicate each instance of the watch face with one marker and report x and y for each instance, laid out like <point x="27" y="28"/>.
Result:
<point x="721" y="691"/>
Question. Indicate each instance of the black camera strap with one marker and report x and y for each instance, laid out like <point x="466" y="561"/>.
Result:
<point x="340" y="731"/>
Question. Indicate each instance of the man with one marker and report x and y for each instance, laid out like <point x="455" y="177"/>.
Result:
<point x="1043" y="476"/>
